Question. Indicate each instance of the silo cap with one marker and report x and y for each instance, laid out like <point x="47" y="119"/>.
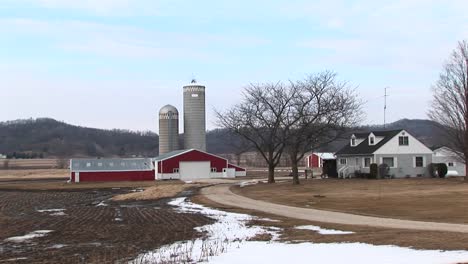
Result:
<point x="168" y="108"/>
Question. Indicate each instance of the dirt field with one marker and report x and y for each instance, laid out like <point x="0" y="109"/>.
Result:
<point x="438" y="200"/>
<point x="87" y="227"/>
<point x="376" y="236"/>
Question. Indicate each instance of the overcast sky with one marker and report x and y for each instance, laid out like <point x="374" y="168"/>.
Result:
<point x="114" y="63"/>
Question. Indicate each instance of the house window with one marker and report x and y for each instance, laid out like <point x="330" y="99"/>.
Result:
<point x="175" y="170"/>
<point x="213" y="169"/>
<point x="451" y="164"/>
<point x="389" y="161"/>
<point x="343" y="161"/>
<point x="403" y="141"/>
<point x="353" y="142"/>
<point x="371" y="141"/>
<point x="367" y="162"/>
<point x="419" y="161"/>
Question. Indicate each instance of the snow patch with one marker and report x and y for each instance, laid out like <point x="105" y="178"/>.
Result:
<point x="188" y="181"/>
<point x="247" y="183"/>
<point x="263" y="252"/>
<point x="229" y="231"/>
<point x="118" y="219"/>
<point x="102" y="204"/>
<point x="50" y="210"/>
<point x="324" y="231"/>
<point x="57" y="246"/>
<point x="34" y="234"/>
<point x="58" y="214"/>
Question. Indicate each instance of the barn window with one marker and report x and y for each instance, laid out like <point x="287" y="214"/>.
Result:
<point x="88" y="164"/>
<point x="99" y="164"/>
<point x="122" y="164"/>
<point x="175" y="170"/>
<point x="111" y="164"/>
<point x="213" y="169"/>
<point x="134" y="164"/>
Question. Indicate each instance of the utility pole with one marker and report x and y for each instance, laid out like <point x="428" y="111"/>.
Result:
<point x="385" y="108"/>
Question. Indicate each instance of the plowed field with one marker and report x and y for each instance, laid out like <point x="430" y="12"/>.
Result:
<point x="86" y="227"/>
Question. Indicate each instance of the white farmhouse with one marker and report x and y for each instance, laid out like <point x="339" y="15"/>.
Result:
<point x="405" y="155"/>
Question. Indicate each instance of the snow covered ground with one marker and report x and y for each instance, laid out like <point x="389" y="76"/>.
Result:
<point x="228" y="241"/>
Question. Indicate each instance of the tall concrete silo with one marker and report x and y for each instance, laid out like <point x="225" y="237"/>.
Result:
<point x="168" y="129"/>
<point x="194" y="116"/>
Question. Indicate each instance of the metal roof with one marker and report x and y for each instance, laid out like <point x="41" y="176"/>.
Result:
<point x="135" y="164"/>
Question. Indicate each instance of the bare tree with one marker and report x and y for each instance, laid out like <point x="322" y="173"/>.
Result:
<point x="321" y="113"/>
<point x="259" y="118"/>
<point x="450" y="100"/>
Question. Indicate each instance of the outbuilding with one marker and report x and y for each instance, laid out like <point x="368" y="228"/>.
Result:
<point x="135" y="169"/>
<point x="190" y="164"/>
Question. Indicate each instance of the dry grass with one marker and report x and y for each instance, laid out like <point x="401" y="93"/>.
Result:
<point x="63" y="185"/>
<point x="376" y="236"/>
<point x="33" y="174"/>
<point x="156" y="192"/>
<point x="438" y="200"/>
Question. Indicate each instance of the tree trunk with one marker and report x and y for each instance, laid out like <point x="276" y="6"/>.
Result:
<point x="294" y="168"/>
<point x="271" y="173"/>
<point x="466" y="169"/>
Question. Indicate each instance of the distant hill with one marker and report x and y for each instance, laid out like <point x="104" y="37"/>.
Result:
<point x="45" y="137"/>
<point x="49" y="138"/>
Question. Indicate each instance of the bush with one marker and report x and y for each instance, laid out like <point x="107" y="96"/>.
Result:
<point x="374" y="171"/>
<point x="383" y="170"/>
<point x="442" y="170"/>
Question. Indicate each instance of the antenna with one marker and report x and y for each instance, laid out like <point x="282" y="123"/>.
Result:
<point x="385" y="108"/>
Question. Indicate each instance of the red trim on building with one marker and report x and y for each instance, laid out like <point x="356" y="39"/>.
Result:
<point x="114" y="176"/>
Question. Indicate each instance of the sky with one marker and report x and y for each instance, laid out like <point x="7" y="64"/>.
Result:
<point x="115" y="63"/>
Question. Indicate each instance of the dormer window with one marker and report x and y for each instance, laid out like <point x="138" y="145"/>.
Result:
<point x="371" y="140"/>
<point x="353" y="141"/>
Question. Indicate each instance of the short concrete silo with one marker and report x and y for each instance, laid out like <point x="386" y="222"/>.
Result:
<point x="194" y="116"/>
<point x="168" y="129"/>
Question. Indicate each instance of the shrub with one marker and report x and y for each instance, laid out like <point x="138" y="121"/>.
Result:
<point x="383" y="170"/>
<point x="374" y="171"/>
<point x="442" y="170"/>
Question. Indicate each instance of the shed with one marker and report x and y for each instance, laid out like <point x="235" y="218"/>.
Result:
<point x="192" y="164"/>
<point x="135" y="169"/>
<point x="316" y="159"/>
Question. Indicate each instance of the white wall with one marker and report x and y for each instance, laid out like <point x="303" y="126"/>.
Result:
<point x="393" y="147"/>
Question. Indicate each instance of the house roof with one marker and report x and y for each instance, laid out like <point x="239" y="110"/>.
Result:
<point x="364" y="148"/>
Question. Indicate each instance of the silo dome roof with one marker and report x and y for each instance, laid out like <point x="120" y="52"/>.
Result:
<point x="168" y="108"/>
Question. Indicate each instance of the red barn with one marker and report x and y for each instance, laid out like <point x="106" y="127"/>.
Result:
<point x="194" y="164"/>
<point x="139" y="169"/>
<point x="316" y="159"/>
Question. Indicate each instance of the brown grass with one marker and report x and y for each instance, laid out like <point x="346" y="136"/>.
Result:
<point x="438" y="200"/>
<point x="33" y="174"/>
<point x="376" y="236"/>
<point x="156" y="192"/>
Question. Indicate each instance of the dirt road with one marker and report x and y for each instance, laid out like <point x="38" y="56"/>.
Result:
<point x="221" y="194"/>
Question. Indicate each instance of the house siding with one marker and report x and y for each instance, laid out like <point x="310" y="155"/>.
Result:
<point x="405" y="166"/>
<point x="353" y="163"/>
